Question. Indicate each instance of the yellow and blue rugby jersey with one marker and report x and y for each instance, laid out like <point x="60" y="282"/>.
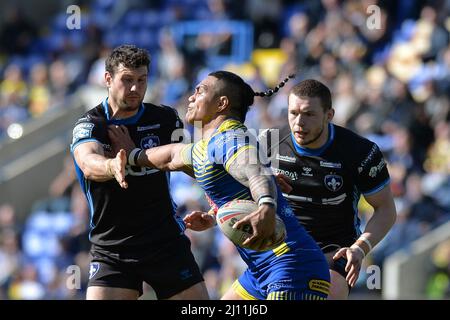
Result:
<point x="211" y="160"/>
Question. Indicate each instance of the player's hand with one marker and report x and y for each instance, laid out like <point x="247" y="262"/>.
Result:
<point x="199" y="221"/>
<point x="354" y="262"/>
<point x="263" y="226"/>
<point x="284" y="182"/>
<point x="120" y="139"/>
<point x="116" y="167"/>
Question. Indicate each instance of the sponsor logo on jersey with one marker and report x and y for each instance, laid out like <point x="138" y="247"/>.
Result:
<point x="333" y="182"/>
<point x="82" y="131"/>
<point x="153" y="126"/>
<point x="280" y="284"/>
<point x="319" y="285"/>
<point x="150" y="142"/>
<point x="375" y="169"/>
<point x="285" y="158"/>
<point x="306" y="171"/>
<point x="369" y="157"/>
<point x="334" y="165"/>
<point x="93" y="269"/>
<point x="292" y="175"/>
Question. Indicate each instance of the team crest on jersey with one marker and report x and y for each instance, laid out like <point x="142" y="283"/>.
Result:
<point x="93" y="269"/>
<point x="150" y="142"/>
<point x="333" y="182"/>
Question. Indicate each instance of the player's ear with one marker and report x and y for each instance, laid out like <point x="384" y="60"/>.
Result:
<point x="223" y="103"/>
<point x="108" y="79"/>
<point x="330" y="114"/>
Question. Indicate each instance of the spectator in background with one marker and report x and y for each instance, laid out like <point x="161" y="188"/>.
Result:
<point x="39" y="97"/>
<point x="17" y="33"/>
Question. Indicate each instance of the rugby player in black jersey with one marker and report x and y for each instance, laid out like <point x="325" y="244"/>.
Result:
<point x="136" y="236"/>
<point x="323" y="169"/>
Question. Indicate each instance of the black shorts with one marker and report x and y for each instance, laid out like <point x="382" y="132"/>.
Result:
<point x="168" y="268"/>
<point x="330" y="245"/>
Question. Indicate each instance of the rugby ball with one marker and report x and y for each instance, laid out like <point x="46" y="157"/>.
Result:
<point x="235" y="210"/>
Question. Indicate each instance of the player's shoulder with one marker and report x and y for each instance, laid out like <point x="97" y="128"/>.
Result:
<point x="94" y="115"/>
<point x="351" y="139"/>
<point x="353" y="144"/>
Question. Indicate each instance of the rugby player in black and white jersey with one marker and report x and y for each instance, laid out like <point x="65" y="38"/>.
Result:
<point x="136" y="236"/>
<point x="323" y="169"/>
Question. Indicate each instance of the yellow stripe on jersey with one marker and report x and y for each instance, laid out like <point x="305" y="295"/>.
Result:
<point x="243" y="193"/>
<point x="199" y="149"/>
<point x="211" y="178"/>
<point x="230" y="124"/>
<point x="234" y="156"/>
<point x="186" y="155"/>
<point x="281" y="249"/>
<point x="310" y="296"/>
<point x="205" y="174"/>
<point x="200" y="169"/>
<point x="239" y="289"/>
<point x="281" y="295"/>
<point x="319" y="285"/>
<point x="197" y="155"/>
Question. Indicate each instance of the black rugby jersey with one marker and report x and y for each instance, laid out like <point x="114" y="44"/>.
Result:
<point x="327" y="182"/>
<point x="144" y="213"/>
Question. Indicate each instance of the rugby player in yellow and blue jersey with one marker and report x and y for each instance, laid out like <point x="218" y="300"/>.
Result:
<point x="225" y="164"/>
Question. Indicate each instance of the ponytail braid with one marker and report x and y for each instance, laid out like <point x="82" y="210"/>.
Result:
<point x="270" y="92"/>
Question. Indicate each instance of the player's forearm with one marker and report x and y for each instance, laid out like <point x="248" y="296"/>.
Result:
<point x="96" y="167"/>
<point x="378" y="226"/>
<point x="165" y="158"/>
<point x="261" y="185"/>
<point x="254" y="176"/>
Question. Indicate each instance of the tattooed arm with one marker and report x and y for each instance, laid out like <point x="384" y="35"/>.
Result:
<point x="248" y="170"/>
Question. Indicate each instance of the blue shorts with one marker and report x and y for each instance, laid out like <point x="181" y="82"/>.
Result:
<point x="299" y="275"/>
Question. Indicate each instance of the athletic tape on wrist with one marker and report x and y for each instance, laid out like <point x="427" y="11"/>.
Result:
<point x="267" y="200"/>
<point x="133" y="156"/>
<point x="367" y="241"/>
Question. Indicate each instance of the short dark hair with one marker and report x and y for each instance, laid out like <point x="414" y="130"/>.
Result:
<point x="239" y="93"/>
<point x="129" y="56"/>
<point x="313" y="89"/>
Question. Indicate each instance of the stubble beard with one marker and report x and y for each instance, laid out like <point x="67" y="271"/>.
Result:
<point x="315" y="138"/>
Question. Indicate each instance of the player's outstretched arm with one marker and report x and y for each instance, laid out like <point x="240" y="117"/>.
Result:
<point x="248" y="170"/>
<point x="166" y="158"/>
<point x="96" y="167"/>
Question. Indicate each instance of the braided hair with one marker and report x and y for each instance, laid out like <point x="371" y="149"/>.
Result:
<point x="270" y="92"/>
<point x="239" y="93"/>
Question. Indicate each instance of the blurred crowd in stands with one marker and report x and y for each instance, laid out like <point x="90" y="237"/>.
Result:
<point x="391" y="84"/>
